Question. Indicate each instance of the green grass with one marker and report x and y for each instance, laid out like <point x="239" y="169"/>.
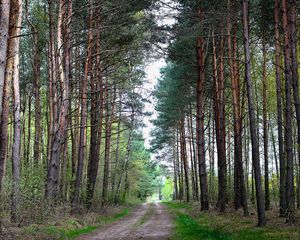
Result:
<point x="228" y="226"/>
<point x="71" y="234"/>
<point x="177" y="205"/>
<point x="70" y="229"/>
<point x="188" y="229"/>
<point x="145" y="217"/>
<point x="109" y="219"/>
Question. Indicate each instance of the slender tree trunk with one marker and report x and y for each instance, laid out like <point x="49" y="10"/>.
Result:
<point x="83" y="114"/>
<point x="265" y="127"/>
<point x="4" y="28"/>
<point x="253" y="124"/>
<point x="4" y="86"/>
<point x="126" y="161"/>
<point x="108" y="125"/>
<point x="6" y="93"/>
<point x="194" y="160"/>
<point x="219" y="110"/>
<point x="290" y="212"/>
<point x="36" y="84"/>
<point x="295" y="74"/>
<point x="239" y="183"/>
<point x="59" y="118"/>
<point x="175" y="197"/>
<point x="194" y="184"/>
<point x="184" y="159"/>
<point x="200" y="125"/>
<point x="28" y="129"/>
<point x="282" y="203"/>
<point x="15" y="196"/>
<point x="113" y="181"/>
<point x="178" y="162"/>
<point x="212" y="153"/>
<point x="96" y="121"/>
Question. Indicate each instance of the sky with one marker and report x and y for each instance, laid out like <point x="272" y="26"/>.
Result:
<point x="153" y="73"/>
<point x="165" y="16"/>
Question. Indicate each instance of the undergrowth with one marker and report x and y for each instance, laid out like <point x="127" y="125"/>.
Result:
<point x="191" y="224"/>
<point x="72" y="228"/>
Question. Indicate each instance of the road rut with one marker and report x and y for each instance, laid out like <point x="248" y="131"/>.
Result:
<point x="150" y="221"/>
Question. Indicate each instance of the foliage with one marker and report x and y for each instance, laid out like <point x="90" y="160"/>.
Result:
<point x="167" y="190"/>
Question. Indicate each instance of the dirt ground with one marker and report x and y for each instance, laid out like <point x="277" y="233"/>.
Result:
<point x="151" y="221"/>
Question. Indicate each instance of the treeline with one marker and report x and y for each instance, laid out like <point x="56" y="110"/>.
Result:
<point x="71" y="105"/>
<point x="228" y="105"/>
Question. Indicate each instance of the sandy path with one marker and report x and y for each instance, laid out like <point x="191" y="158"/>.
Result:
<point x="150" y="221"/>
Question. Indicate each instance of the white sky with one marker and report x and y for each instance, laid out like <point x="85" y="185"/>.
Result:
<point x="164" y="16"/>
<point x="153" y="73"/>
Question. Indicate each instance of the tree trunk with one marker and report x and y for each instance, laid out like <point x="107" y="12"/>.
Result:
<point x="117" y="149"/>
<point x="126" y="161"/>
<point x="253" y="124"/>
<point x="184" y="159"/>
<point x="240" y="197"/>
<point x="36" y="86"/>
<point x="194" y="183"/>
<point x="200" y="125"/>
<point x="4" y="28"/>
<point x="219" y="110"/>
<point x="96" y="133"/>
<point x="282" y="203"/>
<point x="176" y="195"/>
<point x="59" y="118"/>
<point x="265" y="127"/>
<point x="178" y="162"/>
<point x="108" y="125"/>
<point x="4" y="86"/>
<point x="194" y="160"/>
<point x="295" y="74"/>
<point x="16" y="8"/>
<point x="83" y="114"/>
<point x="28" y="129"/>
<point x="290" y="212"/>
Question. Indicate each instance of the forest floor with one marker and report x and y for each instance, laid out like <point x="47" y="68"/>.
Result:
<point x="158" y="221"/>
<point x="63" y="226"/>
<point x="149" y="221"/>
<point x="193" y="224"/>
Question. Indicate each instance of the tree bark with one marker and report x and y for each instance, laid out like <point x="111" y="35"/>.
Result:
<point x="4" y="28"/>
<point x="290" y="212"/>
<point x="219" y="110"/>
<point x="59" y="117"/>
<point x="16" y="8"/>
<point x="282" y="203"/>
<point x="83" y="114"/>
<point x="252" y="119"/>
<point x="240" y="196"/>
<point x="184" y="159"/>
<point x="108" y="125"/>
<point x="4" y="86"/>
<point x="295" y="74"/>
<point x="265" y="127"/>
<point x="175" y="166"/>
<point x="200" y="125"/>
<point x="96" y="131"/>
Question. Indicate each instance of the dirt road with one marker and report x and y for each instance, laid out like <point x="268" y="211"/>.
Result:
<point x="151" y="221"/>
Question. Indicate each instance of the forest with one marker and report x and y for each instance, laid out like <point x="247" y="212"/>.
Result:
<point x="94" y="145"/>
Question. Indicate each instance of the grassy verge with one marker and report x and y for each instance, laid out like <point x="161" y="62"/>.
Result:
<point x="146" y="216"/>
<point x="71" y="228"/>
<point x="230" y="226"/>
